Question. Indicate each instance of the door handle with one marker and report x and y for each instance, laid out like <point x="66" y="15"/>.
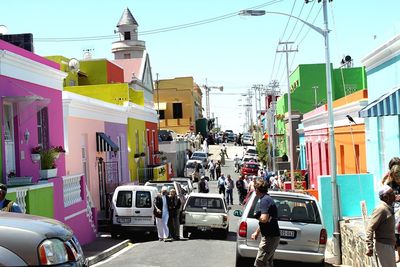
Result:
<point x="137" y="211"/>
<point x="283" y="242"/>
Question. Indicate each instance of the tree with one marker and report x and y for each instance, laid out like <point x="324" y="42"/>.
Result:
<point x="262" y="150"/>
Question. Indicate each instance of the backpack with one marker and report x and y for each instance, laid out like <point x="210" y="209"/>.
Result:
<point x="7" y="205"/>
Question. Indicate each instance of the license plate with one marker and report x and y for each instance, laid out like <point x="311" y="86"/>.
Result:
<point x="124" y="220"/>
<point x="204" y="228"/>
<point x="141" y="219"/>
<point x="288" y="234"/>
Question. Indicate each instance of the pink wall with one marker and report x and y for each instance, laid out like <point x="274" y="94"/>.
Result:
<point x="79" y="130"/>
<point x="317" y="154"/>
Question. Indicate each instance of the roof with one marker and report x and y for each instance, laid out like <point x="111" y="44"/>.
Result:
<point x="127" y="18"/>
<point x="135" y="187"/>
<point x="289" y="194"/>
<point x="208" y="195"/>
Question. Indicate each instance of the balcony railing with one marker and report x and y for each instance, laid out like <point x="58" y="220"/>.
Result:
<point x="72" y="189"/>
<point x="174" y="122"/>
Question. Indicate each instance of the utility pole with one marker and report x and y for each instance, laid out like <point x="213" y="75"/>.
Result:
<point x="274" y="92"/>
<point x="158" y="102"/>
<point x="208" y="89"/>
<point x="287" y="51"/>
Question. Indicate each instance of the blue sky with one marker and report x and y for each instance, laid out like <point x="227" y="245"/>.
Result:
<point x="236" y="52"/>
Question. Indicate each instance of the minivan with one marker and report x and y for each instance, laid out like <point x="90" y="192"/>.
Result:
<point x="132" y="209"/>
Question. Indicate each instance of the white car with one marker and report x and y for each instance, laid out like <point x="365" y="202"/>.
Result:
<point x="303" y="234"/>
<point x="202" y="156"/>
<point x="247" y="140"/>
<point x="190" y="166"/>
<point x="205" y="212"/>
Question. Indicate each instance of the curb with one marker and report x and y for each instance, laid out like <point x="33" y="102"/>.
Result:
<point x="108" y="252"/>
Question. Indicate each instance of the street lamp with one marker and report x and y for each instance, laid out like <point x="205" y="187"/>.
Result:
<point x="325" y="33"/>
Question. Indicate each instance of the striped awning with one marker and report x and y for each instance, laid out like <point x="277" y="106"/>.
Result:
<point x="104" y="143"/>
<point x="387" y="105"/>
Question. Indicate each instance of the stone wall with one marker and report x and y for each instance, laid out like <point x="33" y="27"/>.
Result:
<point x="353" y="243"/>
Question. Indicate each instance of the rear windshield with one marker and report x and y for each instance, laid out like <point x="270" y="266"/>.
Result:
<point x="251" y="151"/>
<point x="205" y="204"/>
<point x="143" y="199"/>
<point x="160" y="185"/>
<point x="252" y="166"/>
<point x="201" y="155"/>
<point x="191" y="165"/>
<point x="124" y="199"/>
<point x="292" y="209"/>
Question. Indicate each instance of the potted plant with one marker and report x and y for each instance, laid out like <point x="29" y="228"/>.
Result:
<point x="136" y="155"/>
<point x="143" y="154"/>
<point x="48" y="163"/>
<point x="58" y="150"/>
<point x="35" y="153"/>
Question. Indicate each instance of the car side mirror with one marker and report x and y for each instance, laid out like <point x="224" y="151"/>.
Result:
<point x="229" y="208"/>
<point x="238" y="213"/>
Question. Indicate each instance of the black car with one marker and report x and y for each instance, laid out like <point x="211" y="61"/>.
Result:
<point x="231" y="137"/>
<point x="165" y="135"/>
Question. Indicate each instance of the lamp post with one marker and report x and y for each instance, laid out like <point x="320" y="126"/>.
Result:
<point x="325" y="33"/>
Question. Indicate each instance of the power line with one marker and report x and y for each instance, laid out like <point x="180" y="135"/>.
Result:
<point x="154" y="31"/>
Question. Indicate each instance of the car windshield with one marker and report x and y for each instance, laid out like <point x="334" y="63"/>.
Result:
<point x="197" y="157"/>
<point x="160" y="185"/>
<point x="251" y="166"/>
<point x="292" y="209"/>
<point x="201" y="155"/>
<point x="191" y="164"/>
<point x="203" y="204"/>
<point x="251" y="151"/>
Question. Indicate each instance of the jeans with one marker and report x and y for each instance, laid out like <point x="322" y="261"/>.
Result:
<point x="229" y="196"/>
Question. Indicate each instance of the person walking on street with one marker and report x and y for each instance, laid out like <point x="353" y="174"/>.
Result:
<point x="224" y="149"/>
<point x="174" y="210"/>
<point x="221" y="184"/>
<point x="222" y="155"/>
<point x="267" y="215"/>
<point x="161" y="212"/>
<point x="196" y="173"/>
<point x="230" y="185"/>
<point x="218" y="169"/>
<point x="236" y="160"/>
<point x="5" y="204"/>
<point x="203" y="185"/>
<point x="240" y="186"/>
<point x="381" y="225"/>
<point x="211" y="169"/>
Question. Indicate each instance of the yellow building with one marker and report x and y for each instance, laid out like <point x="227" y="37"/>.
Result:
<point x="179" y="104"/>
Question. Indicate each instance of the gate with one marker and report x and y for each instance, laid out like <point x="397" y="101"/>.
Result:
<point x="108" y="181"/>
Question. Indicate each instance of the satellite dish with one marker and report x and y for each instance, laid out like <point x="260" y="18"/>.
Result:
<point x="73" y="65"/>
<point x="3" y="29"/>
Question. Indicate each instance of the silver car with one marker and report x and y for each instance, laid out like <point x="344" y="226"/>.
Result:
<point x="303" y="235"/>
<point x="28" y="240"/>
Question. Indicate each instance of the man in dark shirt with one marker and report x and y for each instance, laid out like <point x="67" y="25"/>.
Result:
<point x="267" y="215"/>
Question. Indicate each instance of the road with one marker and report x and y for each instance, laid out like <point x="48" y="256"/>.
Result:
<point x="198" y="250"/>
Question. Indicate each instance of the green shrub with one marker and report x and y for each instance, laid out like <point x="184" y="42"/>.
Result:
<point x="48" y="159"/>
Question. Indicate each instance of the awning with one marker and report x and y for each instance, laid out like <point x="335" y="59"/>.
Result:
<point x="104" y="143"/>
<point x="386" y="105"/>
<point x="162" y="105"/>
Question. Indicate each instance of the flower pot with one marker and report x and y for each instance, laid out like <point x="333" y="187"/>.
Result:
<point x="50" y="173"/>
<point x="35" y="157"/>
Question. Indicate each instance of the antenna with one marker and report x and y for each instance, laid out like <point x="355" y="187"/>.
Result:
<point x="73" y="65"/>
<point x="87" y="53"/>
<point x="3" y="29"/>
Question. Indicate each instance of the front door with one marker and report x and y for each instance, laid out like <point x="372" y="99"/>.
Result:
<point x="9" y="137"/>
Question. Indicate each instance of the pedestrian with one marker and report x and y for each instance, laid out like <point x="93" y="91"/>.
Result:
<point x="161" y="204"/>
<point x="205" y="146"/>
<point x="230" y="185"/>
<point x="222" y="155"/>
<point x="252" y="183"/>
<point x="224" y="148"/>
<point x="267" y="215"/>
<point x="381" y="225"/>
<point x="221" y="184"/>
<point x="236" y="160"/>
<point x="392" y="162"/>
<point x="174" y="212"/>
<point x="240" y="186"/>
<point x="218" y="169"/>
<point x="393" y="180"/>
<point x="196" y="173"/>
<point x="5" y="204"/>
<point x="203" y="185"/>
<point x="211" y="169"/>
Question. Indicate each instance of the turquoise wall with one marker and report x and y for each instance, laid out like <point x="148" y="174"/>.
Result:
<point x="352" y="188"/>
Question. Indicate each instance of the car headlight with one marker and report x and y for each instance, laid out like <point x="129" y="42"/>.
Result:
<point x="52" y="251"/>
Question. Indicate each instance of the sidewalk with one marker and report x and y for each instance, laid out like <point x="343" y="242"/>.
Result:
<point x="103" y="247"/>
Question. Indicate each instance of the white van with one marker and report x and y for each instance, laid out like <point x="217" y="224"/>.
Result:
<point x="132" y="209"/>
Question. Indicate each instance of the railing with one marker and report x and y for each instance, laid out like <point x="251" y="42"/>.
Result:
<point x="89" y="206"/>
<point x="72" y="189"/>
<point x="20" y="199"/>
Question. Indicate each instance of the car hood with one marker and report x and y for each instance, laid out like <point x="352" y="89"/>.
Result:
<point x="22" y="233"/>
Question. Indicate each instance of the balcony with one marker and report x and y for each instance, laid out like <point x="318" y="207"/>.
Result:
<point x="174" y="123"/>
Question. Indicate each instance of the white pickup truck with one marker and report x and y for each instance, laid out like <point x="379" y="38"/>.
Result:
<point x="205" y="212"/>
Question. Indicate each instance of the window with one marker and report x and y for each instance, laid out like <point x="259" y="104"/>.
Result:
<point x="357" y="155"/>
<point x="162" y="114"/>
<point x="124" y="199"/>
<point x="177" y="110"/>
<point x="127" y="35"/>
<point x="43" y="128"/>
<point x="127" y="56"/>
<point x="143" y="199"/>
<point x="342" y="164"/>
<point x="201" y="203"/>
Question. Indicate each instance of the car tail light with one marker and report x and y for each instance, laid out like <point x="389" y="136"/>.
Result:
<point x="322" y="237"/>
<point x="243" y="229"/>
<point x="224" y="218"/>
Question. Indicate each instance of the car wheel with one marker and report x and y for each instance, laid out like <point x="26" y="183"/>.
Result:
<point x="240" y="261"/>
<point x="185" y="233"/>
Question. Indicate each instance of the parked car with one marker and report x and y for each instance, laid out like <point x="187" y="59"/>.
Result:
<point x="247" y="140"/>
<point x="186" y="183"/>
<point x="170" y="185"/>
<point x="202" y="156"/>
<point x="28" y="240"/>
<point x="250" y="168"/>
<point x="132" y="209"/>
<point x="191" y="165"/>
<point x="251" y="151"/>
<point x="166" y="135"/>
<point x="231" y="137"/>
<point x="303" y="234"/>
<point x="205" y="212"/>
